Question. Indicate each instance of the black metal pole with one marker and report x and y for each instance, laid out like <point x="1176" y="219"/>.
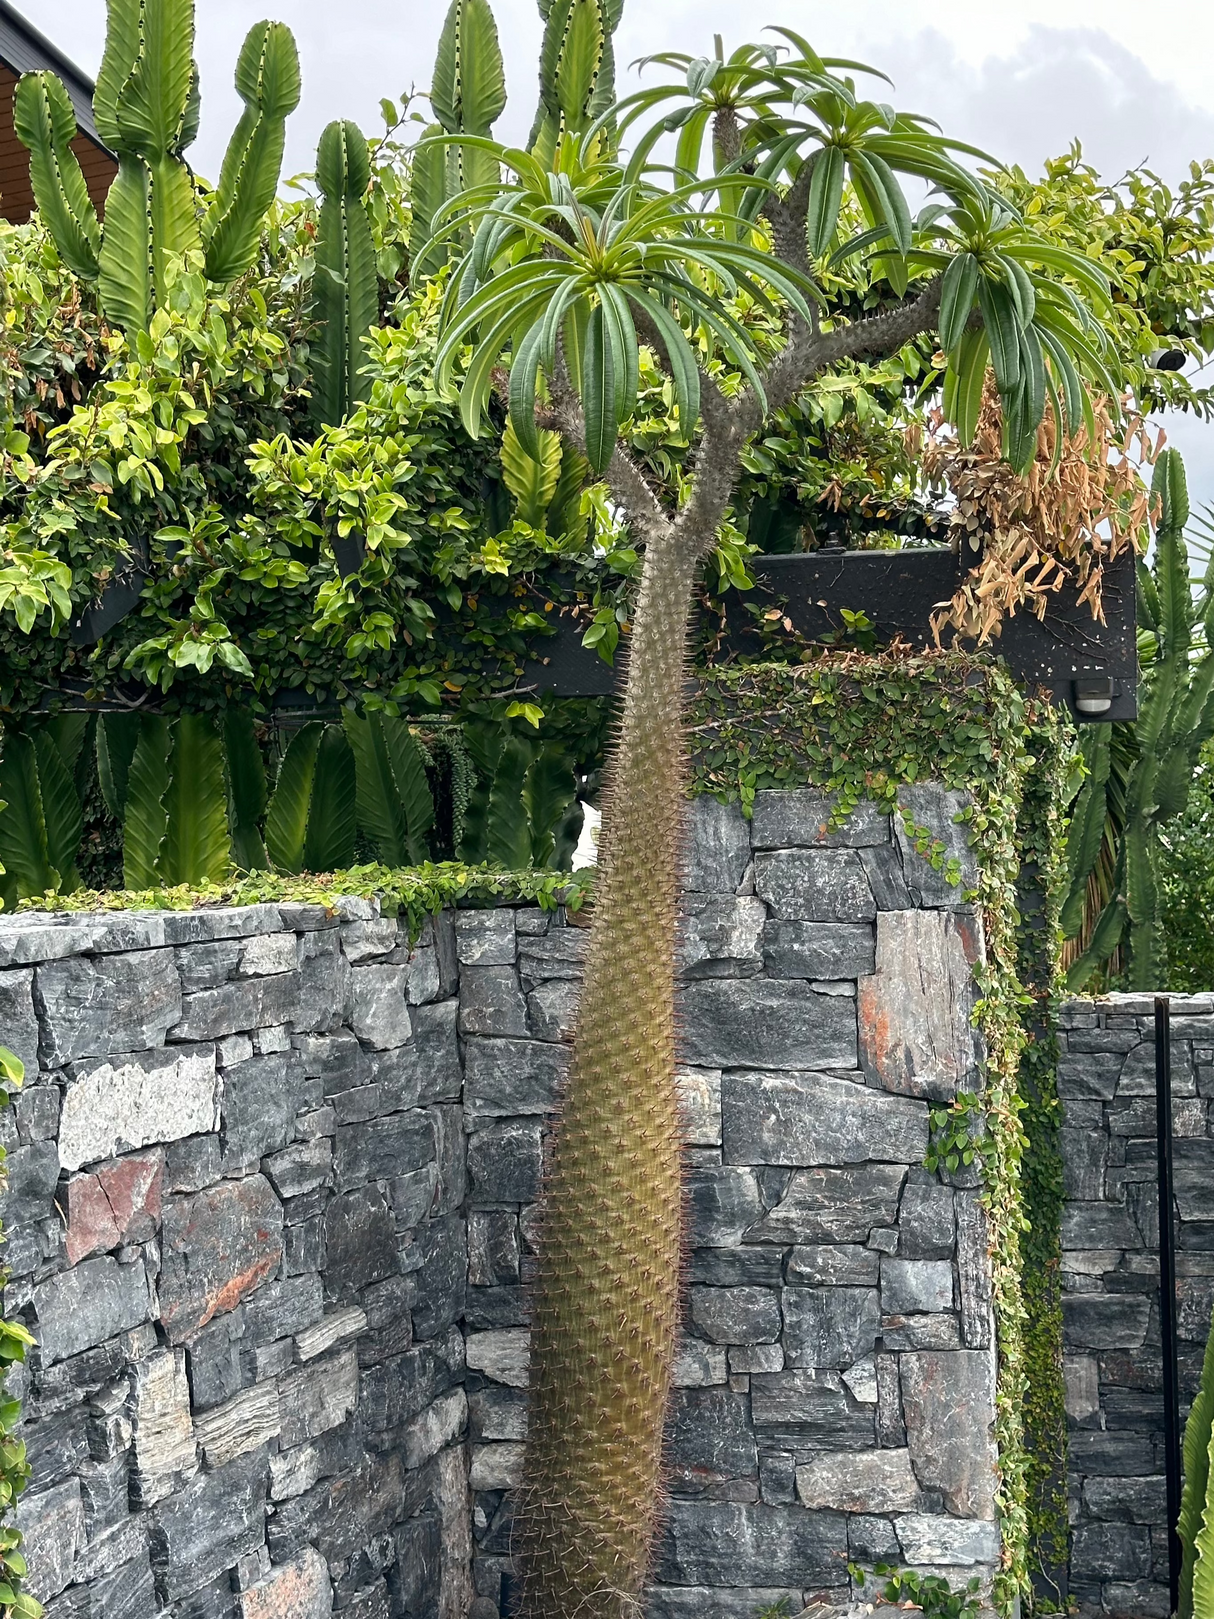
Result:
<point x="1167" y="1285"/>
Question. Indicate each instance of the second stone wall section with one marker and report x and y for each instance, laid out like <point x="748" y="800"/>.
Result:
<point x="835" y="1391"/>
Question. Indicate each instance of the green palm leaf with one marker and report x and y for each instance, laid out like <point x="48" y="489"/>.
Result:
<point x="332" y="818"/>
<point x="508" y="828"/>
<point x="145" y="822"/>
<point x="381" y="813"/>
<point x="549" y="794"/>
<point x="247" y="793"/>
<point x="197" y="845"/>
<point x="531" y="481"/>
<point x="62" y="815"/>
<point x="117" y="739"/>
<point x="287" y="817"/>
<point x="23" y="849"/>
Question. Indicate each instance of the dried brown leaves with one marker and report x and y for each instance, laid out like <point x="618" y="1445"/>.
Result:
<point x="1080" y="505"/>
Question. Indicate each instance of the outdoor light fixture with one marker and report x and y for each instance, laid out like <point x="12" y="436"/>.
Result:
<point x="1094" y="694"/>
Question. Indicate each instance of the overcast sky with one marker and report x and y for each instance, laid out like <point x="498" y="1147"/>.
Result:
<point x="1019" y="79"/>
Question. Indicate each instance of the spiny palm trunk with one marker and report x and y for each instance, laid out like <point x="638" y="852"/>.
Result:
<point x="605" y="1313"/>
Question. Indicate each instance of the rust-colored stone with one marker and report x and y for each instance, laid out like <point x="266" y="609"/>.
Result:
<point x="219" y="1246"/>
<point x="118" y="1203"/>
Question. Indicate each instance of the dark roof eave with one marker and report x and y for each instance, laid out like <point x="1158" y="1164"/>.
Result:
<point x="25" y="50"/>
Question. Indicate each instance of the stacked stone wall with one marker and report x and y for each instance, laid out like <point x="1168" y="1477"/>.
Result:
<point x="235" y="1227"/>
<point x="1110" y="1241"/>
<point x="272" y="1220"/>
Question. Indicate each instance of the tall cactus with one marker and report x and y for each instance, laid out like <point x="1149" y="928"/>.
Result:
<point x="267" y="78"/>
<point x="146" y="107"/>
<point x="577" y="68"/>
<point x="468" y="96"/>
<point x="1175" y="716"/>
<point x="346" y="286"/>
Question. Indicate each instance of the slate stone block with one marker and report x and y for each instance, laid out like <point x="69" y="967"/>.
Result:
<point x="299" y="1589"/>
<point x="1104" y="1321"/>
<point x="558" y="954"/>
<point x="735" y="1315"/>
<point x="318" y="1398"/>
<point x="818" y="950"/>
<point x="1127" y="1500"/>
<point x="765" y="1023"/>
<point x="883" y="868"/>
<point x="485" y="938"/>
<point x="933" y="1540"/>
<point x="870" y="1482"/>
<point x="255" y="1003"/>
<point x="505" y="1163"/>
<point x="260" y="1101"/>
<point x="805" y="1409"/>
<point x="379" y="1010"/>
<point x="381" y="1149"/>
<point x="916" y="1286"/>
<point x="799" y="818"/>
<point x="360" y="1242"/>
<point x="815" y="885"/>
<point x="218" y="1247"/>
<point x="29" y="1192"/>
<point x="552" y="1009"/>
<point x="116" y="1106"/>
<point x="398" y="1390"/>
<point x="916" y="1010"/>
<point x="1103" y="1551"/>
<point x="811" y="1119"/>
<point x="491" y="1002"/>
<point x="98" y="1006"/>
<point x="829" y="1326"/>
<point x="83" y="1307"/>
<point x="718" y="847"/>
<point x="203" y="1530"/>
<point x="439" y="1284"/>
<point x="709" y="1439"/>
<point x="505" y="1078"/>
<point x="926" y="1222"/>
<point x="435" y="1052"/>
<point x="720" y="1543"/>
<point x="725" y="1204"/>
<point x="51" y="1523"/>
<point x="163" y="1453"/>
<point x="18" y="1018"/>
<point x="736" y="1267"/>
<point x="719" y="936"/>
<point x="834" y="1265"/>
<point x="935" y="809"/>
<point x="1194" y="1179"/>
<point x="948" y="1399"/>
<point x="833" y="1205"/>
<point x="303" y="1167"/>
<point x="56" y="1447"/>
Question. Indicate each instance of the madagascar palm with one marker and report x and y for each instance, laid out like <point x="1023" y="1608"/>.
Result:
<point x="573" y="264"/>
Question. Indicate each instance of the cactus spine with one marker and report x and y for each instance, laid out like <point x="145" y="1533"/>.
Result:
<point x="606" y="1312"/>
<point x="146" y="108"/>
<point x="577" y="68"/>
<point x="1141" y="788"/>
<point x="346" y="287"/>
<point x="468" y="96"/>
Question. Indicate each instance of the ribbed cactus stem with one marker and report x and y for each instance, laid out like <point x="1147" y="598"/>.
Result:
<point x="605" y="1314"/>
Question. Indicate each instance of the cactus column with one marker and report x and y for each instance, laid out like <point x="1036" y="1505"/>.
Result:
<point x="605" y="1314"/>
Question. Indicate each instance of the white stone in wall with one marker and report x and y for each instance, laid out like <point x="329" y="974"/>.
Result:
<point x="131" y="1102"/>
<point x="437" y="1426"/>
<point x="860" y="1481"/>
